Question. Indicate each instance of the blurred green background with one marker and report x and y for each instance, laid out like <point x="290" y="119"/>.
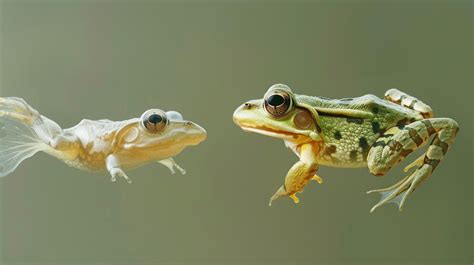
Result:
<point x="115" y="59"/>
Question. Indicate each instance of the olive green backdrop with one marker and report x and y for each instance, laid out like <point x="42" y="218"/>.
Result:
<point x="104" y="59"/>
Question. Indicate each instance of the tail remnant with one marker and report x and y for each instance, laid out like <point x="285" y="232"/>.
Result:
<point x="23" y="132"/>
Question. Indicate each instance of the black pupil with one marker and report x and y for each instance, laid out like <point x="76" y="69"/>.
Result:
<point x="275" y="100"/>
<point x="155" y="118"/>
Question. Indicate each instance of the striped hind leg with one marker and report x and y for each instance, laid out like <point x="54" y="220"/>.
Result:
<point x="388" y="151"/>
<point x="396" y="96"/>
<point x="18" y="108"/>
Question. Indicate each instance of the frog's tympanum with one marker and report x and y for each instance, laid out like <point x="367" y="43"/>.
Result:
<point x="350" y="132"/>
<point x="94" y="145"/>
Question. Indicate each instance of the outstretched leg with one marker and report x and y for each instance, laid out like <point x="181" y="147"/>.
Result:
<point x="18" y="109"/>
<point x="299" y="174"/>
<point x="388" y="151"/>
<point x="18" y="106"/>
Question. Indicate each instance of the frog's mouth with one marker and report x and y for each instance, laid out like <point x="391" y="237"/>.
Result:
<point x="269" y="131"/>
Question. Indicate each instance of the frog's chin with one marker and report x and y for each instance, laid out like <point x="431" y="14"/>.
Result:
<point x="196" y="139"/>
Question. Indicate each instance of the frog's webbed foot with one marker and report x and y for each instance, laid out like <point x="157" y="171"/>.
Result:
<point x="399" y="192"/>
<point x="117" y="173"/>
<point x="171" y="165"/>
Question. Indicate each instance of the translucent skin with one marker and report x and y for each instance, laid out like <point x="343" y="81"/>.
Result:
<point x="94" y="145"/>
<point x="88" y="144"/>
<point x="351" y="132"/>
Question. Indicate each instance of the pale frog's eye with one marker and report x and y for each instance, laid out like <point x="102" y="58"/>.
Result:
<point x="154" y="120"/>
<point x="277" y="103"/>
<point x="174" y="115"/>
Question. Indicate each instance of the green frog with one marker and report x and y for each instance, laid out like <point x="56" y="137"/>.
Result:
<point x="366" y="131"/>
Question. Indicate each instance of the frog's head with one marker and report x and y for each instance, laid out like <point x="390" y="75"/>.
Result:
<point x="279" y="115"/>
<point x="159" y="132"/>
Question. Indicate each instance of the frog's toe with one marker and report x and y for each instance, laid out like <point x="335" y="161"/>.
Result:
<point x="391" y="197"/>
<point x="129" y="181"/>
<point x="180" y="169"/>
<point x="123" y="175"/>
<point x="394" y="194"/>
<point x="294" y="198"/>
<point x="274" y="197"/>
<point x="171" y="165"/>
<point x="279" y="193"/>
<point x="318" y="179"/>
<point x="116" y="173"/>
<point x="399" y="192"/>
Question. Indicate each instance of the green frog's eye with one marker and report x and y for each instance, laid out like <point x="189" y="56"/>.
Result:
<point x="277" y="103"/>
<point x="154" y="120"/>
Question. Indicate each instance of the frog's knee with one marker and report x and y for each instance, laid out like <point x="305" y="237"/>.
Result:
<point x="378" y="172"/>
<point x="59" y="142"/>
<point x="377" y="169"/>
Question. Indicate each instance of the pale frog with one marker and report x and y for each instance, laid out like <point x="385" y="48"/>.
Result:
<point x="94" y="144"/>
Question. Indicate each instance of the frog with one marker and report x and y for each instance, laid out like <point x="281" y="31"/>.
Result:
<point x="95" y="145"/>
<point x="365" y="131"/>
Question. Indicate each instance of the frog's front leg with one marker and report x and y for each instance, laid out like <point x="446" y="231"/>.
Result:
<point x="389" y="150"/>
<point x="300" y="173"/>
<point x="171" y="164"/>
<point x="113" y="166"/>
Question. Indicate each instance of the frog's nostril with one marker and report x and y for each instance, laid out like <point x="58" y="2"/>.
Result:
<point x="247" y="106"/>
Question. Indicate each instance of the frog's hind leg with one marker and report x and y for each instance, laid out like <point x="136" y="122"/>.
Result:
<point x="396" y="96"/>
<point x="388" y="151"/>
<point x="18" y="108"/>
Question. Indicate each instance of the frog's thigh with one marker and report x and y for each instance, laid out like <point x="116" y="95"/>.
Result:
<point x="63" y="142"/>
<point x="381" y="160"/>
<point x="397" y="143"/>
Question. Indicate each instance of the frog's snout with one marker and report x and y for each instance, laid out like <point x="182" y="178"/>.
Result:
<point x="242" y="112"/>
<point x="197" y="133"/>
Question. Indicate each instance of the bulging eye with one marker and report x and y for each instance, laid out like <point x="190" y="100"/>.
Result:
<point x="277" y="103"/>
<point x="174" y="115"/>
<point x="154" y="120"/>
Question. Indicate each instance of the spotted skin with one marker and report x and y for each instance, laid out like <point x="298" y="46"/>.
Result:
<point x="393" y="149"/>
<point x="353" y="136"/>
<point x="354" y="132"/>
